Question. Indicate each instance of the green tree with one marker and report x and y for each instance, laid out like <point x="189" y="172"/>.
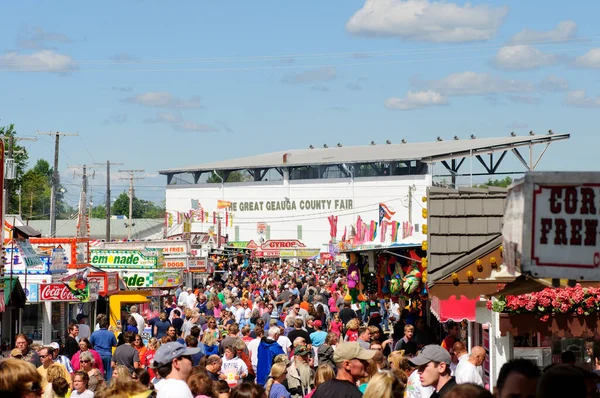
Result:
<point x="141" y="208"/>
<point x="20" y="157"/>
<point x="503" y="183"/>
<point x="35" y="191"/>
<point x="121" y="206"/>
<point x="234" y="176"/>
<point x="99" y="212"/>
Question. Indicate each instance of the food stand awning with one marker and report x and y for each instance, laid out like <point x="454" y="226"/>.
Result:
<point x="453" y="308"/>
<point x="13" y="293"/>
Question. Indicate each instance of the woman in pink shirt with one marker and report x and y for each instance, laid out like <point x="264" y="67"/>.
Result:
<point x="85" y="345"/>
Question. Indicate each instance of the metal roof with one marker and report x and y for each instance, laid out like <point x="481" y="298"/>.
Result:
<point x="423" y="151"/>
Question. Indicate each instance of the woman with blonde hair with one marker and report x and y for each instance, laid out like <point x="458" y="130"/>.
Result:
<point x="54" y="372"/>
<point x="384" y="384"/>
<point x="96" y="378"/>
<point x="371" y="371"/>
<point x="211" y="342"/>
<point x="123" y="388"/>
<point x="148" y="357"/>
<point x="324" y="373"/>
<point x="19" y="377"/>
<point x="274" y="387"/>
<point x="121" y="372"/>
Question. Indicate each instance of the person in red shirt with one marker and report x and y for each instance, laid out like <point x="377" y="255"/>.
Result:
<point x="452" y="337"/>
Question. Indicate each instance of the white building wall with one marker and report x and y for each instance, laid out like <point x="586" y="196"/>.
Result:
<point x="282" y="205"/>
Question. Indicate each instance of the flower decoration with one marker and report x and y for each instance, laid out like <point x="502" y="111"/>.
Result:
<point x="569" y="300"/>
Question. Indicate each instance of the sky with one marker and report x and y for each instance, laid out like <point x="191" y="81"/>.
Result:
<point x="156" y="85"/>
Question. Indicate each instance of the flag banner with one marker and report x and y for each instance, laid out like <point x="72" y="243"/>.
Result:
<point x="373" y="230"/>
<point x="384" y="226"/>
<point x="407" y="229"/>
<point x="223" y="204"/>
<point x="77" y="284"/>
<point x="344" y="235"/>
<point x="206" y="217"/>
<point x="214" y="217"/>
<point x="359" y="238"/>
<point x="395" y="225"/>
<point x="333" y="220"/>
<point x="226" y="218"/>
<point x="195" y="204"/>
<point x="385" y="212"/>
<point x="231" y="219"/>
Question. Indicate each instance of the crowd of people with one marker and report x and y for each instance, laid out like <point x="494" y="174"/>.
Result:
<point x="273" y="331"/>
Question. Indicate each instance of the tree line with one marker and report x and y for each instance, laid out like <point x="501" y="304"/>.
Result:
<point x="30" y="191"/>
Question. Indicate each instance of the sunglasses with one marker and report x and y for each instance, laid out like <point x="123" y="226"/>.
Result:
<point x="84" y="361"/>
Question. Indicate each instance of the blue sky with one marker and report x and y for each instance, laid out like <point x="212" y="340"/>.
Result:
<point x="156" y="85"/>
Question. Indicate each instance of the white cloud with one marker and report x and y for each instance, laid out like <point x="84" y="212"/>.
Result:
<point x="553" y="84"/>
<point x="524" y="99"/>
<point x="311" y="76"/>
<point x="520" y="56"/>
<point x="424" y="20"/>
<point x="579" y="98"/>
<point x="165" y="117"/>
<point x="591" y="59"/>
<point x="41" y="61"/>
<point x="564" y="31"/>
<point x="124" y="58"/>
<point x="36" y="38"/>
<point x="164" y="100"/>
<point x="319" y="87"/>
<point x="194" y="127"/>
<point x="473" y="83"/>
<point x="416" y="99"/>
<point x="119" y="118"/>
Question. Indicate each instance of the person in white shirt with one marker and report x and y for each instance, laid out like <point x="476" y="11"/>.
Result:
<point x="84" y="329"/>
<point x="233" y="368"/>
<point x="182" y="298"/>
<point x="459" y="353"/>
<point x="414" y="389"/>
<point x="141" y="323"/>
<point x="253" y="347"/>
<point x="466" y="371"/>
<point x="173" y="363"/>
<point x="284" y="342"/>
<point x="191" y="299"/>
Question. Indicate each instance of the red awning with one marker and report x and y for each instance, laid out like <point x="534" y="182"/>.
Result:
<point x="455" y="309"/>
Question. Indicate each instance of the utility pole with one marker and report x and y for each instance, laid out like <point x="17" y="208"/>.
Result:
<point x="131" y="178"/>
<point x="108" y="163"/>
<point x="82" y="216"/>
<point x="57" y="136"/>
<point x="9" y="158"/>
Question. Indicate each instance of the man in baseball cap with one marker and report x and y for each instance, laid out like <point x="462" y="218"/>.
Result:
<point x="433" y="366"/>
<point x="351" y="363"/>
<point x="173" y="362"/>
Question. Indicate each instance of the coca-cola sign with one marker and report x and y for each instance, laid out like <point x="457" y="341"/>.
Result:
<point x="56" y="292"/>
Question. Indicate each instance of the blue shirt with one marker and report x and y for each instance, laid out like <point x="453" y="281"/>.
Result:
<point x="103" y="342"/>
<point x="278" y="391"/>
<point x="318" y="338"/>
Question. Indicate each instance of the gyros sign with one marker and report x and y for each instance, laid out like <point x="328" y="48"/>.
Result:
<point x="56" y="292"/>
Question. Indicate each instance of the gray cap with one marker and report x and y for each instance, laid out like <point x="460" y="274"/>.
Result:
<point x="431" y="353"/>
<point x="169" y="351"/>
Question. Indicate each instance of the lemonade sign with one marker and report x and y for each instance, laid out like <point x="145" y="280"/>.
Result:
<point x="125" y="258"/>
<point x="144" y="279"/>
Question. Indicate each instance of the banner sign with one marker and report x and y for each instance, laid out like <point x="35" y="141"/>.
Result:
<point x="126" y="258"/>
<point x="30" y="257"/>
<point x="551" y="225"/>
